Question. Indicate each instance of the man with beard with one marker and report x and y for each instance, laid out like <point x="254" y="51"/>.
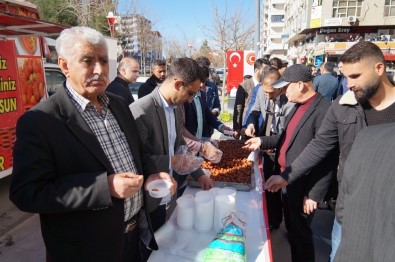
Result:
<point x="158" y="76"/>
<point x="370" y="101"/>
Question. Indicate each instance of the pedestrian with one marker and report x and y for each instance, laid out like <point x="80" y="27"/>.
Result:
<point x="78" y="163"/>
<point x="301" y="126"/>
<point x="342" y="81"/>
<point x="158" y="68"/>
<point x="246" y="94"/>
<point x="128" y="72"/>
<point x="199" y="120"/>
<point x="210" y="89"/>
<point x="326" y="83"/>
<point x="159" y="122"/>
<point x="370" y="101"/>
<point x="365" y="192"/>
<point x="281" y="65"/>
<point x="273" y="104"/>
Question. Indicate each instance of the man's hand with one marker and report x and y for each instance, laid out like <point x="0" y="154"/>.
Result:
<point x="124" y="185"/>
<point x="252" y="144"/>
<point x="214" y="112"/>
<point x="250" y="130"/>
<point x="309" y="205"/>
<point x="205" y="182"/>
<point x="274" y="183"/>
<point x="163" y="175"/>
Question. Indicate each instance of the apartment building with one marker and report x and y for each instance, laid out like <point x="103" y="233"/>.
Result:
<point x="321" y="30"/>
<point x="274" y="39"/>
<point x="138" y="40"/>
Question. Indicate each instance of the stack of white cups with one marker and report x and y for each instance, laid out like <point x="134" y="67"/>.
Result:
<point x="225" y="204"/>
<point x="185" y="211"/>
<point x="206" y="210"/>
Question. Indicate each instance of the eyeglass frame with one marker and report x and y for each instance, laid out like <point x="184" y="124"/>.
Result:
<point x="191" y="93"/>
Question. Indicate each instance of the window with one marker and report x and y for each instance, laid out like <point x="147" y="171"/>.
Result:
<point x="345" y="8"/>
<point x="389" y="8"/>
<point x="278" y="18"/>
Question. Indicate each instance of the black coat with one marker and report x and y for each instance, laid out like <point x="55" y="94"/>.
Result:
<point x="316" y="182"/>
<point x="148" y="86"/>
<point x="120" y="87"/>
<point x="60" y="171"/>
<point x="367" y="197"/>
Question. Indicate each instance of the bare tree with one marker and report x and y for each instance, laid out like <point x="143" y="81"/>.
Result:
<point x="230" y="31"/>
<point x="136" y="29"/>
<point x="176" y="47"/>
<point x="90" y="13"/>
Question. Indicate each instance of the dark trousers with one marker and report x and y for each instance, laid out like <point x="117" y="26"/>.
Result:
<point x="158" y="217"/>
<point x="273" y="200"/>
<point x="300" y="233"/>
<point x="131" y="249"/>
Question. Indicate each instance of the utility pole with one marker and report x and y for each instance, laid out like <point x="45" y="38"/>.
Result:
<point x="257" y="29"/>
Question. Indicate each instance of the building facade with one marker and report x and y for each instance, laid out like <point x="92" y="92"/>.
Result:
<point x="138" y="40"/>
<point x="321" y="30"/>
<point x="274" y="39"/>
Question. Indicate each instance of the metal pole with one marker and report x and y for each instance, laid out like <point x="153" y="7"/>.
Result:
<point x="257" y="29"/>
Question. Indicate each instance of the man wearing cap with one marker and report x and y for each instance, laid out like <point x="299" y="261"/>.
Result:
<point x="370" y="101"/>
<point x="300" y="128"/>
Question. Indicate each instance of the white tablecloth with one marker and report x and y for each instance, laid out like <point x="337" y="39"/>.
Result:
<point x="188" y="245"/>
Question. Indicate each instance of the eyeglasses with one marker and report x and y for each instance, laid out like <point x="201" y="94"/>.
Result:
<point x="191" y="93"/>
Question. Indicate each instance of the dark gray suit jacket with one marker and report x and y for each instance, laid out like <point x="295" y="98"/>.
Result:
<point x="367" y="197"/>
<point x="260" y="107"/>
<point x="60" y="171"/>
<point x="152" y="127"/>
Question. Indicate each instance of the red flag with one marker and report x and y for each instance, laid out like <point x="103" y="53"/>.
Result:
<point x="235" y="63"/>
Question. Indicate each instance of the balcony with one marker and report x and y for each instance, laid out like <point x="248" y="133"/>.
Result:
<point x="271" y="47"/>
<point x="278" y="2"/>
<point x="277" y="24"/>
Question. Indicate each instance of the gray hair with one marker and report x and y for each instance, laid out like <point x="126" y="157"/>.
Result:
<point x="65" y="43"/>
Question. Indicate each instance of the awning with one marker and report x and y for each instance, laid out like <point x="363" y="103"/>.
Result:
<point x="12" y="25"/>
<point x="389" y="57"/>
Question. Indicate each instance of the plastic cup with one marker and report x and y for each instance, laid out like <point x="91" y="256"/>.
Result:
<point x="185" y="212"/>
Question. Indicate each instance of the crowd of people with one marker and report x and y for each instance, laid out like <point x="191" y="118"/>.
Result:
<point x="83" y="158"/>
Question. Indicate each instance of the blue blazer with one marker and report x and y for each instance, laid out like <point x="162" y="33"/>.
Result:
<point x="209" y="120"/>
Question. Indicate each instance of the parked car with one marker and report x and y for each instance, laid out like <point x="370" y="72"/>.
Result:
<point x="214" y="77"/>
<point x="54" y="78"/>
<point x="134" y="88"/>
<point x="220" y="74"/>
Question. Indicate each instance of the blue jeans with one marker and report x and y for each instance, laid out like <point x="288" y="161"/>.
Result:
<point x="336" y="237"/>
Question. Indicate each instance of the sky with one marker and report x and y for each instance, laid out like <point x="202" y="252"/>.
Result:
<point x="186" y="20"/>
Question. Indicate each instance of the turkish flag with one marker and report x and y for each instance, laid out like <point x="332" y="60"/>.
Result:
<point x="235" y="62"/>
<point x="240" y="63"/>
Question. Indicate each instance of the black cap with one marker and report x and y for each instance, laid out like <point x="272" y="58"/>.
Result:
<point x="293" y="74"/>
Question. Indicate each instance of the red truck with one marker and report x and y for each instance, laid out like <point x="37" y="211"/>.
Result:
<point x="22" y="75"/>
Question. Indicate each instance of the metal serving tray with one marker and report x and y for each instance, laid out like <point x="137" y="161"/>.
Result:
<point x="239" y="186"/>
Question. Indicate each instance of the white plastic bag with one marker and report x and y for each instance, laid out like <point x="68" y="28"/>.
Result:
<point x="211" y="153"/>
<point x="183" y="162"/>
